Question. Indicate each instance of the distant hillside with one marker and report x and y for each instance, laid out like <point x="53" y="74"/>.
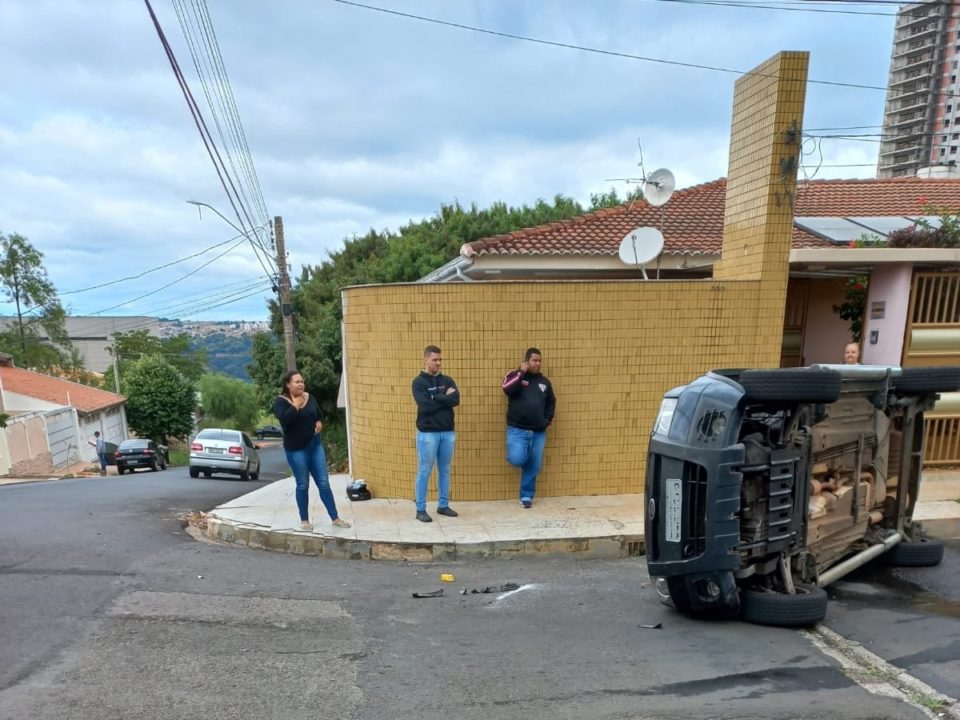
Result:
<point x="227" y="354"/>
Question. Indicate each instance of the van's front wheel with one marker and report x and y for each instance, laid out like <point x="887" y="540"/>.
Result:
<point x="768" y="607"/>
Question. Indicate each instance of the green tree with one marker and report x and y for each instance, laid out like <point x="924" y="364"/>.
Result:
<point x="176" y="350"/>
<point x="228" y="402"/>
<point x="267" y="365"/>
<point x="38" y="336"/>
<point x="610" y="199"/>
<point x="160" y="399"/>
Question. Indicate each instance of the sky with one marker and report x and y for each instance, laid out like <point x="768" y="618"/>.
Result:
<point x="357" y="118"/>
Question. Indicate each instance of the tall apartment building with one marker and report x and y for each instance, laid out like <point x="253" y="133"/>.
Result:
<point x="920" y="119"/>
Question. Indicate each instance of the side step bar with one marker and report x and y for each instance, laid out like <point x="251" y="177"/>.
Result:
<point x="861" y="558"/>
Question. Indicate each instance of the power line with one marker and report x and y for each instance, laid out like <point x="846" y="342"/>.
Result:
<point x="170" y="284"/>
<point x="584" y="48"/>
<point x="151" y="270"/>
<point x="755" y="6"/>
<point x="205" y="135"/>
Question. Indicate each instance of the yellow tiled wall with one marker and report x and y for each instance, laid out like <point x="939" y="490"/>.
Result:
<point x="611" y="349"/>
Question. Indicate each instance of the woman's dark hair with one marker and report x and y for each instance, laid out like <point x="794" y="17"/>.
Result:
<point x="285" y="379"/>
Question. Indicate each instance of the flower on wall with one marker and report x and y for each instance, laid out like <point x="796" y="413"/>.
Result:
<point x="851" y="309"/>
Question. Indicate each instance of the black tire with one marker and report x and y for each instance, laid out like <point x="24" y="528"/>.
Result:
<point x="259" y="436"/>
<point x="807" y="607"/>
<point x="154" y="466"/>
<point x="194" y="472"/>
<point x="120" y="471"/>
<point x="245" y="474"/>
<point x="925" y="553"/>
<point x="928" y="380"/>
<point x="791" y="385"/>
<point x="256" y="475"/>
<point x="208" y="473"/>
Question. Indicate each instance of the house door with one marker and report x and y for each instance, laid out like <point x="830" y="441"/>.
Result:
<point x="794" y="322"/>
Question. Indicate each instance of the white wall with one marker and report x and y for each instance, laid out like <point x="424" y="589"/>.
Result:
<point x="889" y="284"/>
<point x="15" y="402"/>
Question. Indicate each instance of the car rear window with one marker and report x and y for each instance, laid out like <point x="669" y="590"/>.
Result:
<point x="131" y="444"/>
<point x="216" y="434"/>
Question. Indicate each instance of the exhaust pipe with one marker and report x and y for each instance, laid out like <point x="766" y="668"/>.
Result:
<point x="861" y="558"/>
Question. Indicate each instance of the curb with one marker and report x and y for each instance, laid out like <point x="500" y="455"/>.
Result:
<point x="608" y="547"/>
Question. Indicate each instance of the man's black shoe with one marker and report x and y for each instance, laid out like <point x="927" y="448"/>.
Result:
<point x="448" y="511"/>
<point x="423" y="517"/>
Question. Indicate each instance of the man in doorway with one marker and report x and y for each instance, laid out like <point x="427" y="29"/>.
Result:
<point x="436" y="396"/>
<point x="851" y="353"/>
<point x="101" y="445"/>
<point x="530" y="409"/>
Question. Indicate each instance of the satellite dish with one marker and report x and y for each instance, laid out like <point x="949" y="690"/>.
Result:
<point x="640" y="246"/>
<point x="659" y="186"/>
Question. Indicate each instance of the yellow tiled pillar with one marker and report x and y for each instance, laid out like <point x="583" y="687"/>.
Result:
<point x="765" y="139"/>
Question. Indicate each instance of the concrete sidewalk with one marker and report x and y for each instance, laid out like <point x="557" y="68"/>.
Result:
<point x="608" y="526"/>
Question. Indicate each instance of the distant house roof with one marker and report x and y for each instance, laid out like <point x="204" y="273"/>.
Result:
<point x="692" y="221"/>
<point x="84" y="398"/>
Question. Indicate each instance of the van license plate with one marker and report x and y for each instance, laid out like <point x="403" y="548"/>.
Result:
<point x="673" y="510"/>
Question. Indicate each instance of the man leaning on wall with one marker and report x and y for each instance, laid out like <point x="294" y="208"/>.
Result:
<point x="530" y="409"/>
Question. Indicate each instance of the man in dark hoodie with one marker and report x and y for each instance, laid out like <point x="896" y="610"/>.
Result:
<point x="436" y="396"/>
<point x="530" y="410"/>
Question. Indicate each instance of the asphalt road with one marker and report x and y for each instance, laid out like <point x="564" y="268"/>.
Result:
<point x="109" y="610"/>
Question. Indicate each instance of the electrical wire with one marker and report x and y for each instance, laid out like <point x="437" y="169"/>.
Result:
<point x="585" y="48"/>
<point x="755" y="6"/>
<point x="612" y="53"/>
<point x="205" y="135"/>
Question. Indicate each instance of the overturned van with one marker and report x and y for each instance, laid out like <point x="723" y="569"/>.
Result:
<point x="764" y="486"/>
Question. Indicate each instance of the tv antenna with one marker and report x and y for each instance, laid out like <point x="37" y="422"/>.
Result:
<point x="658" y="186"/>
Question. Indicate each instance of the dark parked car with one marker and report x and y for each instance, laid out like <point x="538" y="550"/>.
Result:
<point x="764" y="486"/>
<point x="139" y="453"/>
<point x="268" y="431"/>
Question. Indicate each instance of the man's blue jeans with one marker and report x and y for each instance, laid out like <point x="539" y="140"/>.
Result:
<point x="434" y="448"/>
<point x="311" y="460"/>
<point x="525" y="451"/>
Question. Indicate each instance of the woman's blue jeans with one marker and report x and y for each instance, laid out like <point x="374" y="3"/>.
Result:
<point x="434" y="448"/>
<point x="311" y="460"/>
<point x="525" y="451"/>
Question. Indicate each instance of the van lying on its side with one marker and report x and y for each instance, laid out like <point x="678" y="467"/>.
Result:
<point x="764" y="486"/>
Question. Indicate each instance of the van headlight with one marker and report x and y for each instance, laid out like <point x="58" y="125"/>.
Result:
<point x="665" y="416"/>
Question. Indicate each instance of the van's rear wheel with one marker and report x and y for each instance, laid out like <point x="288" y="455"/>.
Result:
<point x="767" y="607"/>
<point x="928" y="380"/>
<point x="924" y="553"/>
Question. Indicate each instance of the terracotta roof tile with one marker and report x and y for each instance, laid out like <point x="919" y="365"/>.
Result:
<point x="692" y="222"/>
<point x="45" y="387"/>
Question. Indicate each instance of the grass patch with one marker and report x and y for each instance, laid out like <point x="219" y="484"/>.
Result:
<point x="179" y="456"/>
<point x="930" y="703"/>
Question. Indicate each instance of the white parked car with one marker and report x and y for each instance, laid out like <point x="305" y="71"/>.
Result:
<point x="224" y="451"/>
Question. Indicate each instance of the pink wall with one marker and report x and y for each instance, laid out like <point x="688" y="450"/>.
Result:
<point x="826" y="333"/>
<point x="889" y="284"/>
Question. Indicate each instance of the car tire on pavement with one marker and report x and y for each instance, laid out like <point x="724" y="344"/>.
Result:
<point x="245" y="474"/>
<point x="154" y="466"/>
<point x="120" y="471"/>
<point x="256" y="475"/>
<point x="925" y="553"/>
<point x="764" y="607"/>
<point x="194" y="472"/>
<point x="811" y="385"/>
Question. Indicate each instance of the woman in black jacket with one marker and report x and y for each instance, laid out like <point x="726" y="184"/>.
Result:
<point x="302" y="423"/>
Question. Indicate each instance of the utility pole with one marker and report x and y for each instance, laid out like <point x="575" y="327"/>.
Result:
<point x="286" y="309"/>
<point x="116" y="367"/>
